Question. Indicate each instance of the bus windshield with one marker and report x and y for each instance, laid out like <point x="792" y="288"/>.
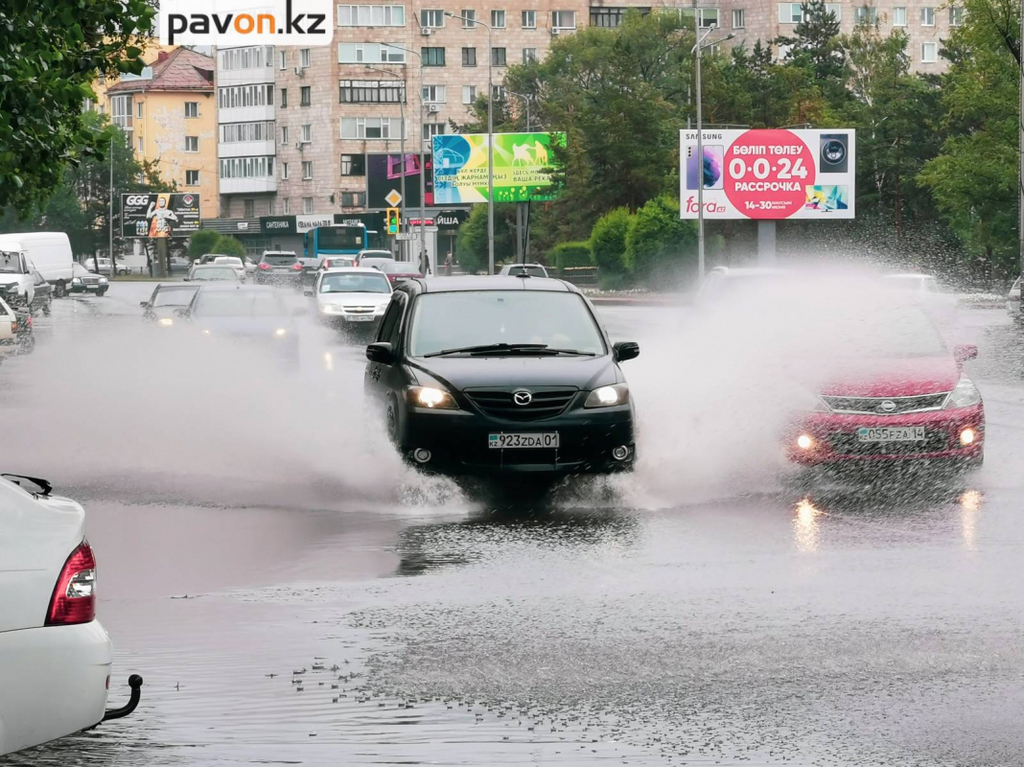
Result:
<point x="339" y="239"/>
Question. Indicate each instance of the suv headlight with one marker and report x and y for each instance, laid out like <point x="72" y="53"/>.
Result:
<point x="607" y="396"/>
<point x="964" y="394"/>
<point x="431" y="397"/>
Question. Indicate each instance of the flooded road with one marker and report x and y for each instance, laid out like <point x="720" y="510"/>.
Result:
<point x="292" y="599"/>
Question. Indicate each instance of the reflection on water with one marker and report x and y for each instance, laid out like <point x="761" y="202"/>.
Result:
<point x="805" y="525"/>
<point x="970" y="506"/>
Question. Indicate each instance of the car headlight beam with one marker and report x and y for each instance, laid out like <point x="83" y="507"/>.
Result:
<point x="964" y="394"/>
<point x="432" y="398"/>
<point x="607" y="396"/>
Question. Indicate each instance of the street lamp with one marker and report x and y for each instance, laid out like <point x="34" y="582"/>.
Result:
<point x="490" y="137"/>
<point x="401" y="112"/>
<point x="699" y="46"/>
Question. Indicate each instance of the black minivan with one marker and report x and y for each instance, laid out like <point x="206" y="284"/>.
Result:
<point x="485" y="375"/>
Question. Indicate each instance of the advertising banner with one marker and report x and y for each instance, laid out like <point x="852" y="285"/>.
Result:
<point x="522" y="167"/>
<point x="159" y="215"/>
<point x="306" y="222"/>
<point x="384" y="173"/>
<point x="769" y="174"/>
<point x="277" y="224"/>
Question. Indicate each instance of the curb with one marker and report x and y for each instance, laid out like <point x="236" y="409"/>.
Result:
<point x="624" y="301"/>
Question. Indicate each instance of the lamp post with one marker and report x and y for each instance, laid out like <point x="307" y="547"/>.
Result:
<point x="401" y="112"/>
<point x="699" y="46"/>
<point x="520" y="212"/>
<point x="490" y="137"/>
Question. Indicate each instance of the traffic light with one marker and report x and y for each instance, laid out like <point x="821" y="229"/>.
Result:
<point x="393" y="219"/>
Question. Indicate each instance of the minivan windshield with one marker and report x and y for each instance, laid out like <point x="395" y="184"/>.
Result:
<point x="10" y="262"/>
<point x="456" y="320"/>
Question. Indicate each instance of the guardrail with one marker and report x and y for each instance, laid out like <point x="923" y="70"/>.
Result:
<point x="580" y="276"/>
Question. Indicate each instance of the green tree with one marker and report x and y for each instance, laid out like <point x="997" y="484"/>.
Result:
<point x="608" y="241"/>
<point x="471" y="241"/>
<point x="661" y="248"/>
<point x="568" y="255"/>
<point x="815" y="47"/>
<point x="230" y="246"/>
<point x="50" y="51"/>
<point x="202" y="242"/>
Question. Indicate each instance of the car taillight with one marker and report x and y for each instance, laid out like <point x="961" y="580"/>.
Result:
<point x="297" y="267"/>
<point x="264" y="266"/>
<point x="74" y="596"/>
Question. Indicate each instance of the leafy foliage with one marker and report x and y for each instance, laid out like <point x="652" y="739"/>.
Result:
<point x="471" y="242"/>
<point x="608" y="241"/>
<point x="202" y="242"/>
<point x="230" y="246"/>
<point x="567" y="255"/>
<point x="659" y="247"/>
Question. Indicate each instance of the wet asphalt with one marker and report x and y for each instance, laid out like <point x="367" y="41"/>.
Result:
<point x="353" y="613"/>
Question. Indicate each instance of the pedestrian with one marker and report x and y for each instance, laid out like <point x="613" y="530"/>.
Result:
<point x="448" y="264"/>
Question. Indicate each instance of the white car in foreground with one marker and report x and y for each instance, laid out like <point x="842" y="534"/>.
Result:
<point x="54" y="655"/>
<point x="351" y="298"/>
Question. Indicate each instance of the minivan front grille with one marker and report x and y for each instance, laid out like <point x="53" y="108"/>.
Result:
<point x="500" y="403"/>
<point x="886" y="405"/>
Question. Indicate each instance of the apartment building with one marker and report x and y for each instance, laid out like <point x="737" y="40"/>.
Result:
<point x="169" y="115"/>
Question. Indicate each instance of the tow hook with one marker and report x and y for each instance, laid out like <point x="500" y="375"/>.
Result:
<point x="135" y="682"/>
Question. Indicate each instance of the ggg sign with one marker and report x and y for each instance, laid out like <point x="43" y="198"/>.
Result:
<point x="769" y="174"/>
<point x="159" y="215"/>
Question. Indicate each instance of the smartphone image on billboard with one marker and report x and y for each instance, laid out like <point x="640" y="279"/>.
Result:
<point x="714" y="158"/>
<point x="834" y="153"/>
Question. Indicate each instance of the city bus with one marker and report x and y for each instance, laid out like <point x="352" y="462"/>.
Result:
<point x="336" y="240"/>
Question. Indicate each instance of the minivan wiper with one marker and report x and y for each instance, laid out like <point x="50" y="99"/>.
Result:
<point x="503" y="348"/>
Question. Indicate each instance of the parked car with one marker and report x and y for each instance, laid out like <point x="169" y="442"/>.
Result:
<point x="399" y="271"/>
<point x="279" y="268"/>
<point x="336" y="262"/>
<point x="534" y="270"/>
<point x="211" y="273"/>
<point x="56" y="655"/>
<point x="374" y="258"/>
<point x="16" y="334"/>
<point x="351" y="299"/>
<point x="49" y="253"/>
<point x="165" y="301"/>
<point x="1013" y="305"/>
<point x="180" y="264"/>
<point x="85" y="281"/>
<point x="501" y="376"/>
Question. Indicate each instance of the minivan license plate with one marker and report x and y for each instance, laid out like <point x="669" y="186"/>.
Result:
<point x="541" y="441"/>
<point x="890" y="434"/>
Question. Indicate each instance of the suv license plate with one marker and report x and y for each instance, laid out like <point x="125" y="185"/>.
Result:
<point x="890" y="434"/>
<point x="541" y="441"/>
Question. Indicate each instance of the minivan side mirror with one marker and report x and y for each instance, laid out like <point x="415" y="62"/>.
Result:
<point x="380" y="352"/>
<point x="965" y="352"/>
<point x="144" y="304"/>
<point x="308" y="292"/>
<point x="626" y="350"/>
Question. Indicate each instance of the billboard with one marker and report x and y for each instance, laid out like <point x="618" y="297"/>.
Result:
<point x="769" y="174"/>
<point x="522" y="167"/>
<point x="384" y="172"/>
<point x="159" y="215"/>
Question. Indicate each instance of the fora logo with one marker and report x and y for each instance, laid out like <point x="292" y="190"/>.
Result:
<point x="710" y="206"/>
<point x="234" y="23"/>
<point x="137" y="199"/>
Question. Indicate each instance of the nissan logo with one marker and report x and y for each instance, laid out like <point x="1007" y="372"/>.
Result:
<point x="888" y="406"/>
<point x="522" y="397"/>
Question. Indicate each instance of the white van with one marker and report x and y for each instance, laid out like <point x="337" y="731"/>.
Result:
<point x="49" y="253"/>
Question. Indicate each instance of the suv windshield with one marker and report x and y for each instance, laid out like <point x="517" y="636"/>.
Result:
<point x="355" y="283"/>
<point x="475" y="318"/>
<point x="238" y="304"/>
<point x="279" y="260"/>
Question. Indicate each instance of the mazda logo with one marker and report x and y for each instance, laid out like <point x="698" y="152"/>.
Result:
<point x="888" y="406"/>
<point x="522" y="397"/>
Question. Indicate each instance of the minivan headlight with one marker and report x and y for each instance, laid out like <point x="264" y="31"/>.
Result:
<point x="607" y="396"/>
<point x="431" y="397"/>
<point x="964" y="394"/>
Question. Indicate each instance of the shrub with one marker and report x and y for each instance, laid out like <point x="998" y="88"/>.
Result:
<point x="202" y="242"/>
<point x="608" y="241"/>
<point x="230" y="246"/>
<point x="660" y="248"/>
<point x="570" y="254"/>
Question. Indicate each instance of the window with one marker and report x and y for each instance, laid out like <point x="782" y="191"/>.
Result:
<point x="307" y="133"/>
<point x="247" y="167"/>
<point x="468" y="19"/>
<point x="305" y="59"/>
<point x="372" y="92"/>
<point x="353" y="165"/>
<point x="739" y="18"/>
<point x="433" y="94"/>
<point x="927" y="17"/>
<point x="121" y="113"/>
<point x="307" y="170"/>
<point x="865" y="14"/>
<point x="246" y="58"/>
<point x="141" y="145"/>
<point x="432" y="129"/>
<point x="243" y="96"/>
<point x="608" y="18"/>
<point x="138" y="104"/>
<point x="498" y="57"/>
<point x="231" y="133"/>
<point x="369" y="53"/>
<point x="929" y="52"/>
<point x="708" y="18"/>
<point x="282" y="60"/>
<point x="498" y="19"/>
<point x="790" y="13"/>
<point x="284" y="98"/>
<point x="284" y="135"/>
<point x="469" y="57"/>
<point x="432" y="57"/>
<point x="353" y="199"/>
<point x="371" y="127"/>
<point x="271" y="207"/>
<point x="248" y="208"/>
<point x="563" y="19"/>
<point x="307" y="205"/>
<point x="371" y="15"/>
<point x="498" y="92"/>
<point x="529" y="54"/>
<point x="191" y="178"/>
<point x="191" y="109"/>
<point x="468" y="94"/>
<point x="305" y="95"/>
<point x="284" y="171"/>
<point x="286" y="206"/>
<point x="191" y="143"/>
<point x="529" y="19"/>
<point x="432" y="19"/>
<point x="899" y="16"/>
<point x="956" y="18"/>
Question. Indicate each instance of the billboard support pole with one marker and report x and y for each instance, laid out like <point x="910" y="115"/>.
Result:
<point x="766" y="242"/>
<point x="113" y="262"/>
<point x="162" y="244"/>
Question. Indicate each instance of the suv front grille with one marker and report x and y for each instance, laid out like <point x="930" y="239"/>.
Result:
<point x="547" y="402"/>
<point x="877" y="406"/>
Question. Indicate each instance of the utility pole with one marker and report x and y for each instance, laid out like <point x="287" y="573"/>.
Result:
<point x="1020" y="146"/>
<point x="520" y="206"/>
<point x="401" y="111"/>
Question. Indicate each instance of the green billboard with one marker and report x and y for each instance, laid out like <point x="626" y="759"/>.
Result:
<point x="523" y="163"/>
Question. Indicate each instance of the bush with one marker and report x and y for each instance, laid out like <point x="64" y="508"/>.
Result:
<point x="202" y="242"/>
<point x="570" y="254"/>
<point x="471" y="242"/>
<point x="660" y="248"/>
<point x="608" y="241"/>
<point x="230" y="246"/>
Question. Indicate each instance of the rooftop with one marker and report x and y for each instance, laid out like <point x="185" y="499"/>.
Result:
<point x="179" y="70"/>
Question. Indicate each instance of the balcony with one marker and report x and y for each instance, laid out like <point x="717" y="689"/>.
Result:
<point x="248" y="185"/>
<point x="245" y="114"/>
<point x="247" y="148"/>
